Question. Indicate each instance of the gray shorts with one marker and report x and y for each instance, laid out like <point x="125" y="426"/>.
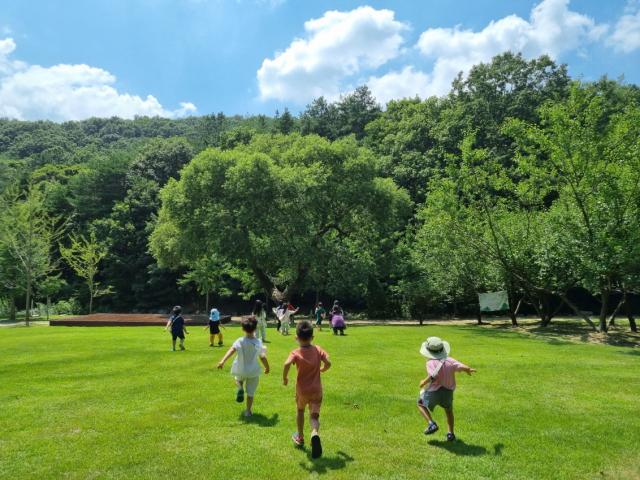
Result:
<point x="442" y="396"/>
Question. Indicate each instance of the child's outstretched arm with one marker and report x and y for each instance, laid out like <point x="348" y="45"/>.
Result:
<point x="205" y="328"/>
<point x="223" y="326"/>
<point x="285" y="371"/>
<point x="469" y="370"/>
<point x="226" y="357"/>
<point x="265" y="362"/>
<point x="168" y="325"/>
<point x="184" y="327"/>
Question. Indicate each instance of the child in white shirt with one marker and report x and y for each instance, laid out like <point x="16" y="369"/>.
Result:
<point x="245" y="367"/>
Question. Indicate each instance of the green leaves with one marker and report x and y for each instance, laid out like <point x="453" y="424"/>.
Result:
<point x="275" y="205"/>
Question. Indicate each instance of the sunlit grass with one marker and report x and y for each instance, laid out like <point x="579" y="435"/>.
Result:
<point x="117" y="403"/>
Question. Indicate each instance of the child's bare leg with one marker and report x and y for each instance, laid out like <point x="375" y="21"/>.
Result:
<point x="425" y="413"/>
<point x="300" y="422"/>
<point x="174" y="344"/>
<point x="449" y="414"/>
<point x="239" y="384"/>
<point x="249" y="404"/>
<point x="314" y="420"/>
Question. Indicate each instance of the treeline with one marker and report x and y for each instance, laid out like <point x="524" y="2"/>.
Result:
<point x="520" y="179"/>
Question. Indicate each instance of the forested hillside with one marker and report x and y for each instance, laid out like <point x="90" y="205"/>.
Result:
<point x="520" y="179"/>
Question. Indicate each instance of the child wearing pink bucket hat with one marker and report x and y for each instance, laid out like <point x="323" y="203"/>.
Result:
<point x="441" y="370"/>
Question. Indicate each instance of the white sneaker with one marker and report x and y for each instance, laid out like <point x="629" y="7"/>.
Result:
<point x="296" y="440"/>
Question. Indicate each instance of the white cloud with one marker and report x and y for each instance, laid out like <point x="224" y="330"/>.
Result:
<point x="339" y="44"/>
<point x="626" y="35"/>
<point x="395" y="85"/>
<point x="552" y="29"/>
<point x="68" y="92"/>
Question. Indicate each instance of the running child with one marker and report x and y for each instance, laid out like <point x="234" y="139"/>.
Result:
<point x="308" y="359"/>
<point x="245" y="366"/>
<point x="176" y="322"/>
<point x="260" y="312"/>
<point x="286" y="320"/>
<point x="441" y="370"/>
<point x="320" y="314"/>
<point x="214" y="327"/>
<point x="279" y="312"/>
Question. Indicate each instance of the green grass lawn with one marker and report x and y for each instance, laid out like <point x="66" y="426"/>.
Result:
<point x="117" y="403"/>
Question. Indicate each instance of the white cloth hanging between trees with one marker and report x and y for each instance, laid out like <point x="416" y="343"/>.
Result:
<point x="490" y="302"/>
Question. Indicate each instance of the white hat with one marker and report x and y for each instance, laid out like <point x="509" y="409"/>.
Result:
<point x="435" y="347"/>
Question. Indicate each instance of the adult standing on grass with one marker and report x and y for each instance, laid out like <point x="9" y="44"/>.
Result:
<point x="337" y="319"/>
<point x="441" y="378"/>
<point x="176" y="322"/>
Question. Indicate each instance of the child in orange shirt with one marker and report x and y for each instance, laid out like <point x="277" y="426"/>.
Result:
<point x="307" y="359"/>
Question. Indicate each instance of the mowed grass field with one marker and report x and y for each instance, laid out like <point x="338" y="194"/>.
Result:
<point x="117" y="403"/>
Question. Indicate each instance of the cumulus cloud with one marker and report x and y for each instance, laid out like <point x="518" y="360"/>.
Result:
<point x="338" y="45"/>
<point x="68" y="92"/>
<point x="626" y="34"/>
<point x="552" y="29"/>
<point x="404" y="84"/>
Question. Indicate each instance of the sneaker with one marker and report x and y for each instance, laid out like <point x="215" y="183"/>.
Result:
<point x="245" y="414"/>
<point x="316" y="446"/>
<point x="240" y="395"/>
<point x="220" y="344"/>
<point x="173" y="349"/>
<point x="181" y="347"/>
<point x="451" y="437"/>
<point x="297" y="440"/>
<point x="211" y="344"/>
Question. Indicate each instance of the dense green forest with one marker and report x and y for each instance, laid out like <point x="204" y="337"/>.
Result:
<point x="520" y="179"/>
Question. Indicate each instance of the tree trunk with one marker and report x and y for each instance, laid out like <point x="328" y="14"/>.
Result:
<point x="317" y="297"/>
<point x="206" y="308"/>
<point x="12" y="310"/>
<point x="604" y="295"/>
<point x="632" y="321"/>
<point x="573" y="307"/>
<point x="90" y="303"/>
<point x="534" y="301"/>
<point x="48" y="306"/>
<point x="617" y="310"/>
<point x="27" y="312"/>
<point x="479" y="315"/>
<point x="511" y="312"/>
<point x="455" y="307"/>
<point x="544" y="308"/>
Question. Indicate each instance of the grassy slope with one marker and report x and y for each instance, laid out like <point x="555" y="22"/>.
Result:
<point x="116" y="403"/>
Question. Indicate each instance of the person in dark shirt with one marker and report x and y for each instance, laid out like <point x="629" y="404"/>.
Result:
<point x="176" y="322"/>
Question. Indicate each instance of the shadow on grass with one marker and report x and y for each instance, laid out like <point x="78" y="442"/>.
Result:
<point x="261" y="420"/>
<point x="325" y="463"/>
<point x="561" y="332"/>
<point x="466" y="450"/>
<point x="632" y="352"/>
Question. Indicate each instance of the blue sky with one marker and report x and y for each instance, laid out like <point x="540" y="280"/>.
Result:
<point x="76" y="59"/>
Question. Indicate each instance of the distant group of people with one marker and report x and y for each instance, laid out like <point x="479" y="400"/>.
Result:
<point x="311" y="360"/>
<point x="336" y="318"/>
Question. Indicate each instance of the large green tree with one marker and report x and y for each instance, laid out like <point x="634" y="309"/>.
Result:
<point x="590" y="158"/>
<point x="278" y="206"/>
